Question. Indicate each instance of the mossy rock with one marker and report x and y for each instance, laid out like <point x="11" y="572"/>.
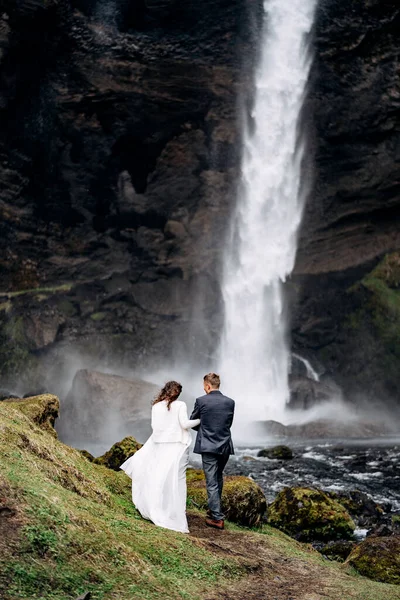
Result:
<point x="378" y="558"/>
<point x="279" y="452"/>
<point x="309" y="514"/>
<point x="243" y="501"/>
<point x="16" y="360"/>
<point x="43" y="410"/>
<point x="338" y="551"/>
<point x="359" y="505"/>
<point x="396" y="519"/>
<point x="118" y="453"/>
<point x="87" y="455"/>
<point x="98" y="316"/>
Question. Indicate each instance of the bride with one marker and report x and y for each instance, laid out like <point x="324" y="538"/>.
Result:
<point x="158" y="469"/>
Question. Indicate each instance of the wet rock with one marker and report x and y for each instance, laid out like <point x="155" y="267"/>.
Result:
<point x="309" y="514"/>
<point x="297" y="367"/>
<point x="43" y="410"/>
<point x="100" y="407"/>
<point x="337" y="550"/>
<point x="278" y="452"/>
<point x="306" y="392"/>
<point x="118" y="453"/>
<point x="242" y="499"/>
<point x="360" y="506"/>
<point x="384" y="530"/>
<point x="41" y="329"/>
<point x="273" y="428"/>
<point x="328" y="429"/>
<point x="377" y="558"/>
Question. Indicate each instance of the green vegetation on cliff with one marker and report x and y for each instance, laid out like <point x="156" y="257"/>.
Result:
<point x="68" y="526"/>
<point x="374" y="322"/>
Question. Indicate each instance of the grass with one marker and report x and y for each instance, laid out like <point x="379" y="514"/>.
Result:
<point x="80" y="532"/>
<point x="76" y="530"/>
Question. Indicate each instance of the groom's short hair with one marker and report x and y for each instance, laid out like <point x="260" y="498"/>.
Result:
<point x="212" y="379"/>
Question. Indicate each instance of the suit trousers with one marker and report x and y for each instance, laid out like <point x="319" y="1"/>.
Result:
<point x="213" y="466"/>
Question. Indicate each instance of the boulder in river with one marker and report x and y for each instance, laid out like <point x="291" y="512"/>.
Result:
<point x="360" y="506"/>
<point x="278" y="452"/>
<point x="309" y="514"/>
<point x="243" y="501"/>
<point x="101" y="407"/>
<point x="377" y="558"/>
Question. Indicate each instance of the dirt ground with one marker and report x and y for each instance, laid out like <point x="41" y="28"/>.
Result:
<point x="271" y="576"/>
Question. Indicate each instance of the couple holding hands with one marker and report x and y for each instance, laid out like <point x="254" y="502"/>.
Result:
<point x="158" y="469"/>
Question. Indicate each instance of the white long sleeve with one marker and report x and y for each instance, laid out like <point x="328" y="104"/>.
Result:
<point x="171" y="425"/>
<point x="184" y="422"/>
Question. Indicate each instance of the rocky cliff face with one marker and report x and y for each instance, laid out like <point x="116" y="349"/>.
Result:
<point x="352" y="218"/>
<point x="119" y="149"/>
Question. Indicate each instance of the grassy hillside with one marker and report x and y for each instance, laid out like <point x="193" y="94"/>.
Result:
<point x="68" y="526"/>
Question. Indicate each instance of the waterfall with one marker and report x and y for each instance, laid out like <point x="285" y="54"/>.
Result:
<point x="254" y="357"/>
<point x="311" y="372"/>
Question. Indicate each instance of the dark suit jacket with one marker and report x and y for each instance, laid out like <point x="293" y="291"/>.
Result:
<point x="215" y="412"/>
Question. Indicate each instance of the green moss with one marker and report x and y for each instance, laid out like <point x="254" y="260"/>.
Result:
<point x="98" y="316"/>
<point x="15" y="357"/>
<point x="65" y="287"/>
<point x="43" y="410"/>
<point x="375" y="320"/>
<point x="243" y="501"/>
<point x="118" y="453"/>
<point x="87" y="455"/>
<point x="378" y="559"/>
<point x="5" y="306"/>
<point x="309" y="514"/>
<point x="388" y="270"/>
<point x="396" y="519"/>
<point x="357" y="503"/>
<point x="67" y="308"/>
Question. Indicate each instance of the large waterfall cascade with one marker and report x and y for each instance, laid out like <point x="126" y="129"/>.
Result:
<point x="260" y="254"/>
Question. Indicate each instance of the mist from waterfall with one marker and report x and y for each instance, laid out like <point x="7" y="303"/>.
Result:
<point x="260" y="254"/>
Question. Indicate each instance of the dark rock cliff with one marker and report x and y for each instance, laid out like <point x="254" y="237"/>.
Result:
<point x="352" y="218"/>
<point x="119" y="153"/>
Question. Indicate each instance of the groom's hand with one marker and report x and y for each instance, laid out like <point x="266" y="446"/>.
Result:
<point x="195" y="415"/>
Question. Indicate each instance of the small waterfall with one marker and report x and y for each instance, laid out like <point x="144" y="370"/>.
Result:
<point x="311" y="372"/>
<point x="254" y="354"/>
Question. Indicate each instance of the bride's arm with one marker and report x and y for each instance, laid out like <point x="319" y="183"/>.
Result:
<point x="184" y="422"/>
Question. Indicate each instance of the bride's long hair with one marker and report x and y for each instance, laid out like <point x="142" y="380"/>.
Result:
<point x="170" y="393"/>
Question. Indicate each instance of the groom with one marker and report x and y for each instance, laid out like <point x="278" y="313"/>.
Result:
<point x="214" y="442"/>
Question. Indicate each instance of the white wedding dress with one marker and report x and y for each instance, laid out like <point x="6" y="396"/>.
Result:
<point x="158" y="469"/>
